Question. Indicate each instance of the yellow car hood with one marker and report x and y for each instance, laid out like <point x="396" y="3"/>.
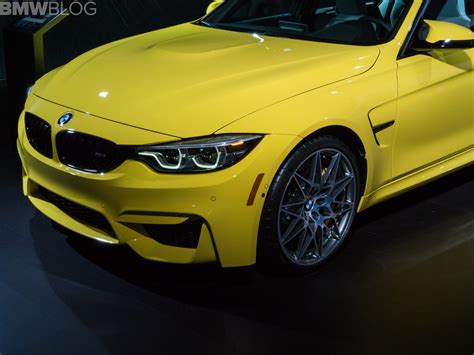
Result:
<point x="191" y="80"/>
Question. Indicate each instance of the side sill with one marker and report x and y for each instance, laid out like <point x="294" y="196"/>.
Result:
<point x="418" y="178"/>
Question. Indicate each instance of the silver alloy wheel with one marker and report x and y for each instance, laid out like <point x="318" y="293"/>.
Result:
<point x="317" y="207"/>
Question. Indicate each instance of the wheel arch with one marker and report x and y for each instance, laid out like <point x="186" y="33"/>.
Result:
<point x="352" y="140"/>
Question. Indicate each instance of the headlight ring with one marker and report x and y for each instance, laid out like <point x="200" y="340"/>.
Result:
<point x="198" y="155"/>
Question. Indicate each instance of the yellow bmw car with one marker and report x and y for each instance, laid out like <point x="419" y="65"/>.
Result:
<point x="255" y="134"/>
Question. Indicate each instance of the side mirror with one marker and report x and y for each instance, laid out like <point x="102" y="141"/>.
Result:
<point x="213" y="5"/>
<point x="444" y="35"/>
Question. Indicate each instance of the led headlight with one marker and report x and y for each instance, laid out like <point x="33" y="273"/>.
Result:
<point x="198" y="155"/>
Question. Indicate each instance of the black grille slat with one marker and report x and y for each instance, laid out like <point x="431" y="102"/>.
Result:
<point x="184" y="235"/>
<point x="89" y="153"/>
<point x="80" y="213"/>
<point x="38" y="133"/>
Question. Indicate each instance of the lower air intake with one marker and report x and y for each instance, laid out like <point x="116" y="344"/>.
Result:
<point x="184" y="235"/>
<point x="80" y="213"/>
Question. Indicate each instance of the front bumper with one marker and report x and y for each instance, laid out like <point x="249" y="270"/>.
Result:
<point x="134" y="197"/>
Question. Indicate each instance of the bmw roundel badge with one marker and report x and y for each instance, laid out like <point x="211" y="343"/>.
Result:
<point x="65" y="119"/>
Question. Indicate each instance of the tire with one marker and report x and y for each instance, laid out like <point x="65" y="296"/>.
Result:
<point x="310" y="208"/>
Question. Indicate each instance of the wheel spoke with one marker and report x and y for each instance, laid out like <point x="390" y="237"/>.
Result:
<point x="340" y="185"/>
<point x="335" y="232"/>
<point x="319" y="241"/>
<point x="343" y="207"/>
<point x="293" y="204"/>
<point x="290" y="233"/>
<point x="332" y="170"/>
<point x="300" y="187"/>
<point x="344" y="203"/>
<point x="316" y="170"/>
<point x="290" y="228"/>
<point x="296" y="215"/>
<point x="303" y="244"/>
<point x="305" y="180"/>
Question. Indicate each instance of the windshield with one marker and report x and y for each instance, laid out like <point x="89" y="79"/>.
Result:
<point x="357" y="22"/>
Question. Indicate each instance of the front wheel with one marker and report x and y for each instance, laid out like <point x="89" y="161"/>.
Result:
<point x="310" y="207"/>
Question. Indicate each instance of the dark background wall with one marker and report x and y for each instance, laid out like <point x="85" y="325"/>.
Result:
<point x="115" y="19"/>
<point x="4" y="21"/>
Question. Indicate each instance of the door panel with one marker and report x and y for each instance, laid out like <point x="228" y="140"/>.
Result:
<point x="436" y="108"/>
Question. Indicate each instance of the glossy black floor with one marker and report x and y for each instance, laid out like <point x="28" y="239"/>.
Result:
<point x="403" y="285"/>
